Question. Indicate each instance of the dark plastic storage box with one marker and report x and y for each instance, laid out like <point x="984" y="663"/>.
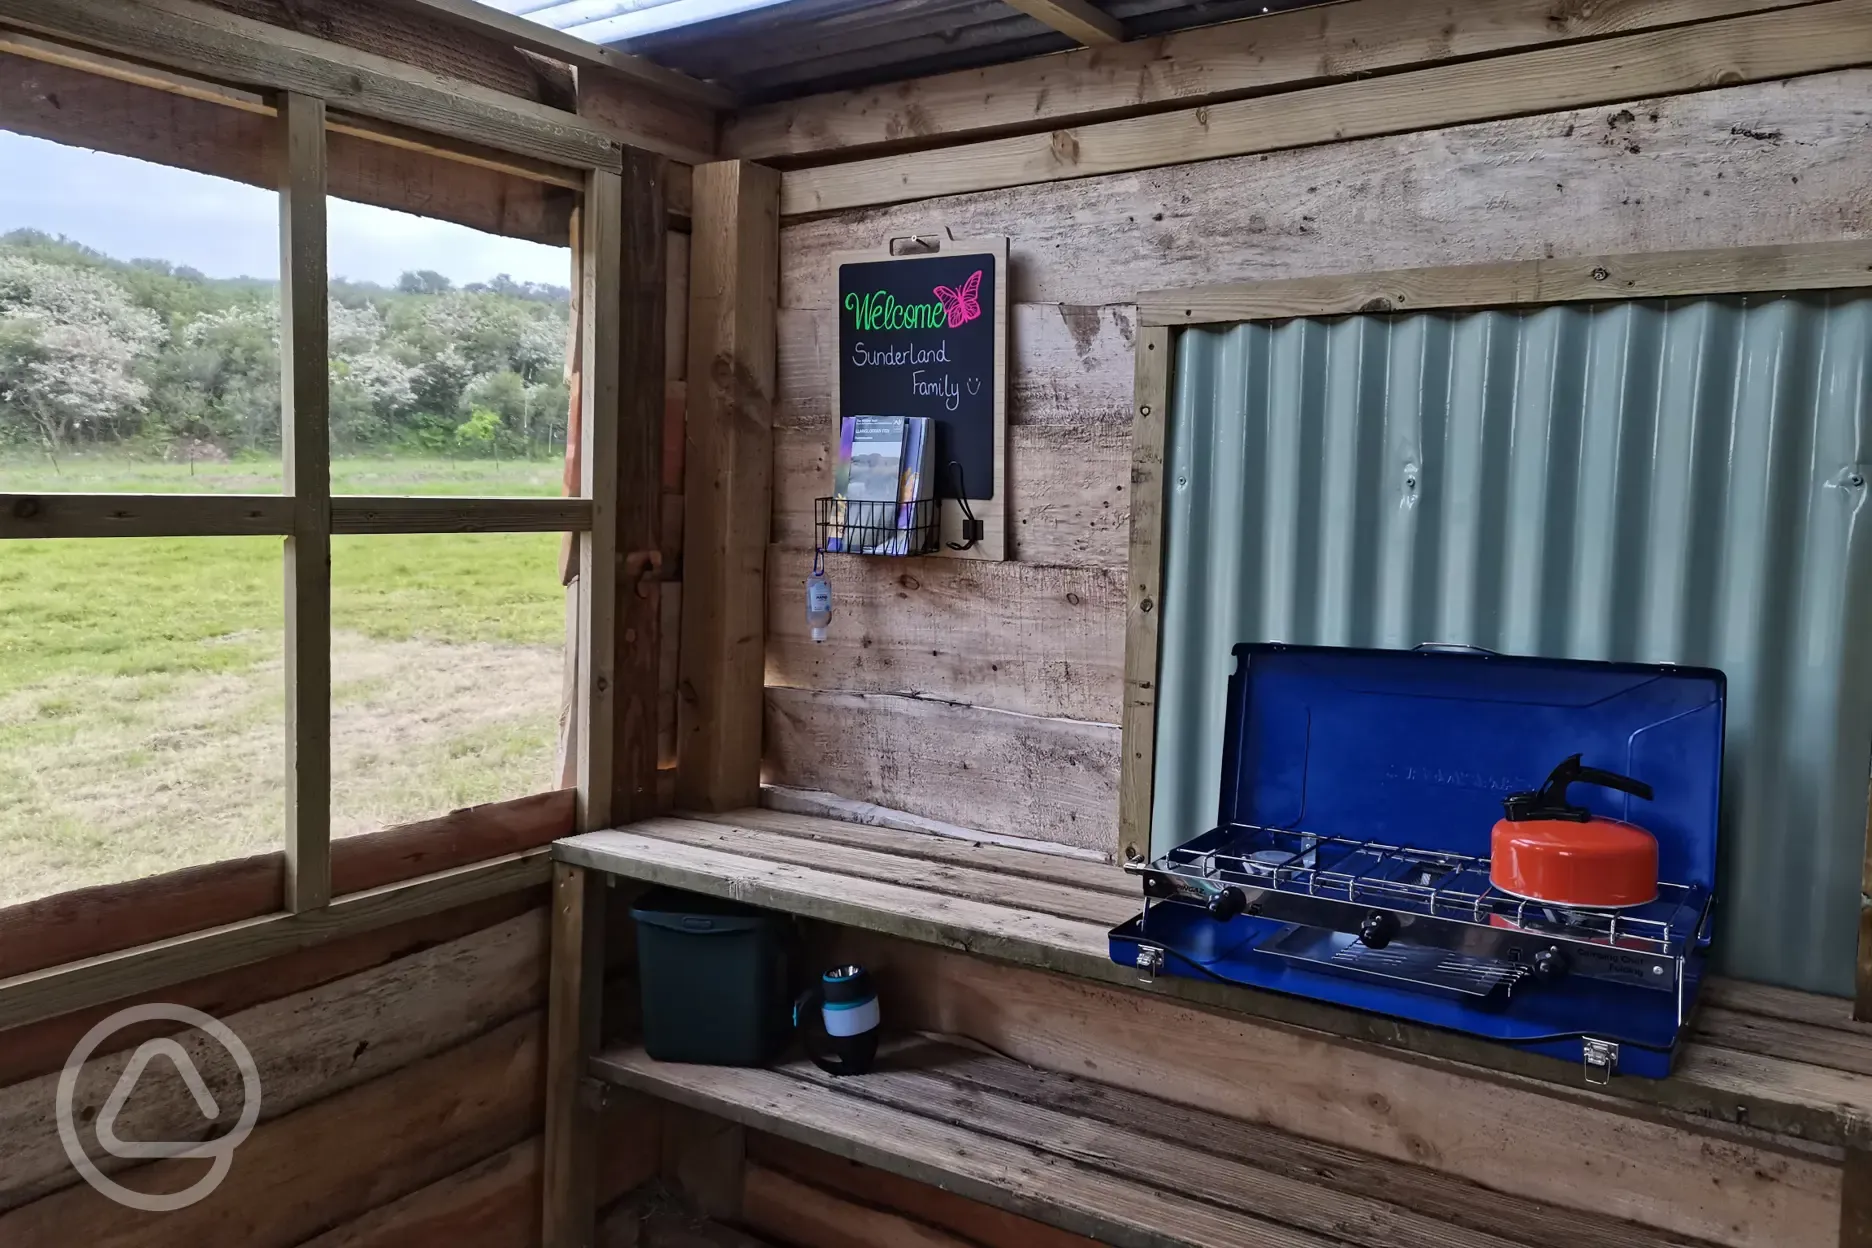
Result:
<point x="714" y="979"/>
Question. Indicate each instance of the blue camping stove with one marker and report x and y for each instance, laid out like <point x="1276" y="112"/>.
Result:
<point x="1349" y="861"/>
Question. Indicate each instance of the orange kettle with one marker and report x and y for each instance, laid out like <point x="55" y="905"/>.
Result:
<point x="1546" y="849"/>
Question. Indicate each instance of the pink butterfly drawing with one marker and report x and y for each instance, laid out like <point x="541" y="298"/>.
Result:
<point x="962" y="305"/>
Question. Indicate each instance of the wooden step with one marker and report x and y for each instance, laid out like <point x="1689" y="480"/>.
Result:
<point x="1114" y="1165"/>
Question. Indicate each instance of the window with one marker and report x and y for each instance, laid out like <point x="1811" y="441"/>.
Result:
<point x="198" y="380"/>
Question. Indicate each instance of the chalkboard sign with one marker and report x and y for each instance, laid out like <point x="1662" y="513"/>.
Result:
<point x="923" y="336"/>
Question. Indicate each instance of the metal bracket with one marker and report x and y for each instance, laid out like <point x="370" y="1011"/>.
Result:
<point x="1150" y="960"/>
<point x="1601" y="1060"/>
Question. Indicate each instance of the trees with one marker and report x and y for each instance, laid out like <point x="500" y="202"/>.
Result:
<point x="138" y="355"/>
<point x="424" y="282"/>
<point x="73" y="344"/>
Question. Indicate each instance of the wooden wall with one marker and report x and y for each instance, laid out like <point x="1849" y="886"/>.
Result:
<point x="988" y="694"/>
<point x="400" y="1068"/>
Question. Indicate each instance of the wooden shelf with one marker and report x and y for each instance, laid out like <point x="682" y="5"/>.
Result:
<point x="1786" y="1063"/>
<point x="1100" y="1161"/>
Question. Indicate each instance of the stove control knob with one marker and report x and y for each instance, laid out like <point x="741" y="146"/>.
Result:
<point x="1549" y="965"/>
<point x="1226" y="904"/>
<point x="1379" y="929"/>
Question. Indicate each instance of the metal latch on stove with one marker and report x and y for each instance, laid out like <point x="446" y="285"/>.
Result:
<point x="1150" y="960"/>
<point x="1601" y="1060"/>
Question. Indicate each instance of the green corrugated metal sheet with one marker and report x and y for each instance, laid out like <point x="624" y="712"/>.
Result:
<point x="1680" y="481"/>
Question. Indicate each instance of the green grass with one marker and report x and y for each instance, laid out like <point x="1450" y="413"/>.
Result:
<point x="141" y="694"/>
<point x="108" y="474"/>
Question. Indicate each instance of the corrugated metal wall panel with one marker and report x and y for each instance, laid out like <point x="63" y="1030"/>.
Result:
<point x="1675" y="481"/>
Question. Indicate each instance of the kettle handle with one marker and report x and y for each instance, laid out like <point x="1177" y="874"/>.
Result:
<point x="1550" y="800"/>
<point x="1604" y="779"/>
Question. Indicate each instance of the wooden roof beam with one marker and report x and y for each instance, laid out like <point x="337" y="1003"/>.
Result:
<point x="1076" y="19"/>
<point x="487" y="20"/>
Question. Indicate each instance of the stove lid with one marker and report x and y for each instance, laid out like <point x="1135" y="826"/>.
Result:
<point x="1419" y="747"/>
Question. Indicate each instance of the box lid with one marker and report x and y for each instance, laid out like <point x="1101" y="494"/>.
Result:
<point x="1419" y="747"/>
<point x="699" y="913"/>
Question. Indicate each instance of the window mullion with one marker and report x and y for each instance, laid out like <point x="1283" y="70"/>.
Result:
<point x="305" y="444"/>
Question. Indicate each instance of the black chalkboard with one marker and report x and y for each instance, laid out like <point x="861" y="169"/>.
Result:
<point x="917" y="338"/>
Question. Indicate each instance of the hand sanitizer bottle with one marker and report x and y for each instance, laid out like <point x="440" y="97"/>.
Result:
<point x="818" y="599"/>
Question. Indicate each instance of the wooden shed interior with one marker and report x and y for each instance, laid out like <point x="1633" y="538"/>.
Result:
<point x="444" y="1016"/>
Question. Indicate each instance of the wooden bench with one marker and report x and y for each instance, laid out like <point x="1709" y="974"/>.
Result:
<point x="1744" y="1145"/>
<point x="1103" y="1162"/>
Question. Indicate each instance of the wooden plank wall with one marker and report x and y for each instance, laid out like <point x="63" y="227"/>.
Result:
<point x="400" y="1068"/>
<point x="989" y="694"/>
<point x="376" y="1122"/>
<point x="792" y="1194"/>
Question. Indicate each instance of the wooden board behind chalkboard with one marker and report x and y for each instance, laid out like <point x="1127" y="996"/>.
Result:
<point x="926" y="335"/>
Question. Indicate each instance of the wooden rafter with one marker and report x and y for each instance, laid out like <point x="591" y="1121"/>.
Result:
<point x="487" y="20"/>
<point x="198" y="40"/>
<point x="1076" y="19"/>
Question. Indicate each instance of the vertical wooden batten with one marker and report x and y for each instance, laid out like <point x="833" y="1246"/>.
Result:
<point x="1862" y="1003"/>
<point x="601" y="220"/>
<point x="639" y="271"/>
<point x="1856" y="1200"/>
<point x="305" y="439"/>
<point x="727" y="482"/>
<point x="575" y="987"/>
<point x="1137" y="762"/>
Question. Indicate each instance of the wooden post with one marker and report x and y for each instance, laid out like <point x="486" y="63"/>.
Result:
<point x="575" y="987"/>
<point x="728" y="483"/>
<point x="1862" y="1003"/>
<point x="601" y="218"/>
<point x="1150" y="419"/>
<point x="642" y="279"/>
<point x="1856" y="1200"/>
<point x="304" y="438"/>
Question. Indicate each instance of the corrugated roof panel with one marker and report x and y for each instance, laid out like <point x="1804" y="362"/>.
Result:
<point x="775" y="49"/>
<point x="1665" y="482"/>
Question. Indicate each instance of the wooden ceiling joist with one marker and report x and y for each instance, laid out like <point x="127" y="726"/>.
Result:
<point x="1076" y="19"/>
<point x="225" y="47"/>
<point x="487" y="20"/>
<point x="50" y="52"/>
<point x="228" y="133"/>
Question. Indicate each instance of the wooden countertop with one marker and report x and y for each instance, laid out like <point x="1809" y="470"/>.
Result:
<point x="1784" y="1062"/>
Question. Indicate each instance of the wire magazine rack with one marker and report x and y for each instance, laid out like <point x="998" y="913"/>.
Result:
<point x="854" y="526"/>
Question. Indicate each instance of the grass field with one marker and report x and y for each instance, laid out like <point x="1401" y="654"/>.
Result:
<point x="141" y="694"/>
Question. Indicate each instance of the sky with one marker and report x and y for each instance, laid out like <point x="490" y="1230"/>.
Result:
<point x="227" y="229"/>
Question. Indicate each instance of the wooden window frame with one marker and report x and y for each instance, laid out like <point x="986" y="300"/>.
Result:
<point x="312" y="89"/>
<point x="1839" y="265"/>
